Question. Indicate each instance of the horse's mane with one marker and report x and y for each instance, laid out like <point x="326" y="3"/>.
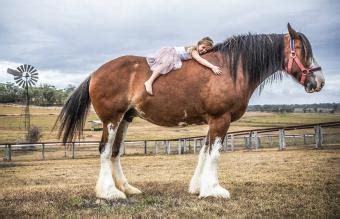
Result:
<point x="261" y="56"/>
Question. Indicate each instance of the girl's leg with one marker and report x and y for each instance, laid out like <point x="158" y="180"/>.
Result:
<point x="149" y="82"/>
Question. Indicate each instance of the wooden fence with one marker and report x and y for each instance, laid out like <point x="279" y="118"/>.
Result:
<point x="253" y="139"/>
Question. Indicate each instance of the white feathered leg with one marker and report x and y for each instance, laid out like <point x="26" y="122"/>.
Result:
<point x="105" y="187"/>
<point x="194" y="187"/>
<point x="209" y="185"/>
<point x="118" y="175"/>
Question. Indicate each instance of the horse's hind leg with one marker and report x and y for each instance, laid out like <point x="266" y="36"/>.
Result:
<point x="105" y="187"/>
<point x="118" y="146"/>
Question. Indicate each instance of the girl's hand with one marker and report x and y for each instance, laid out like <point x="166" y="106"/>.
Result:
<point x="216" y="70"/>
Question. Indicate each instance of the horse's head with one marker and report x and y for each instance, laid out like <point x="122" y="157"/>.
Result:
<point x="300" y="63"/>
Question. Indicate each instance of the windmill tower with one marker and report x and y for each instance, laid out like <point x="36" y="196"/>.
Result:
<point x="25" y="76"/>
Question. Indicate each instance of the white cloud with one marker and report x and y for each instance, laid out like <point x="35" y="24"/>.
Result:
<point x="66" y="40"/>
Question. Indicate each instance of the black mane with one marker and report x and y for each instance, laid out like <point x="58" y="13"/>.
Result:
<point x="261" y="56"/>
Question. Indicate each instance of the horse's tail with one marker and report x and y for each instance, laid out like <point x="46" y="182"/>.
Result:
<point x="74" y="112"/>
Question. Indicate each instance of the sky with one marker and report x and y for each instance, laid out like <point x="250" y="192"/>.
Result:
<point x="66" y="40"/>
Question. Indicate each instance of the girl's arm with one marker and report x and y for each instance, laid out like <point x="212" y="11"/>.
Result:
<point x="204" y="62"/>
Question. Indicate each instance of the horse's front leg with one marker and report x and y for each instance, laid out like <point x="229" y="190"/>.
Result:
<point x="208" y="160"/>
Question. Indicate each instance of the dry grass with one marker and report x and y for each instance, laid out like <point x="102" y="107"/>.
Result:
<point x="44" y="118"/>
<point x="262" y="183"/>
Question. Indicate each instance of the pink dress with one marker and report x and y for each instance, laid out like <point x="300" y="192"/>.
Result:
<point x="167" y="59"/>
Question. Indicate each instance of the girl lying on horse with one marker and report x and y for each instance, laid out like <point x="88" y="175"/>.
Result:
<point x="170" y="58"/>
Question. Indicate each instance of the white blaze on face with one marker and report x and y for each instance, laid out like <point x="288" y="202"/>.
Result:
<point x="319" y="78"/>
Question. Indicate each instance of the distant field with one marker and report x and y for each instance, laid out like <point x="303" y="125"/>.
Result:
<point x="44" y="118"/>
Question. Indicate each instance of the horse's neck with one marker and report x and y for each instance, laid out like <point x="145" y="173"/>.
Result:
<point x="267" y="77"/>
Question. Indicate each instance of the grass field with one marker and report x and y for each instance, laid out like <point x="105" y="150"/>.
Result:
<point x="296" y="182"/>
<point x="44" y="118"/>
<point x="269" y="183"/>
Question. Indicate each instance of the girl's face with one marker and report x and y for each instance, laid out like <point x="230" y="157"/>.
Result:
<point x="203" y="48"/>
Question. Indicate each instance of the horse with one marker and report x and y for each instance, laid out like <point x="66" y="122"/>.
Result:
<point x="189" y="95"/>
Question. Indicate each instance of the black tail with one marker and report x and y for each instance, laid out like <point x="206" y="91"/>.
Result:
<point x="73" y="114"/>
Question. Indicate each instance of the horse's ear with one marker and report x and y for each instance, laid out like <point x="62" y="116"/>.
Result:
<point x="293" y="34"/>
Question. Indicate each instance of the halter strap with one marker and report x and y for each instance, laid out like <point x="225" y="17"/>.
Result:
<point x="292" y="57"/>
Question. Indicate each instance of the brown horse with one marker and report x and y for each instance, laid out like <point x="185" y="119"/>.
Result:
<point x="192" y="95"/>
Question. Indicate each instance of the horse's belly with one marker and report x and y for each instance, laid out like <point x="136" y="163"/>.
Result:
<point x="170" y="117"/>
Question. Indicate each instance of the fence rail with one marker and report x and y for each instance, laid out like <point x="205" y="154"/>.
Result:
<point x="252" y="139"/>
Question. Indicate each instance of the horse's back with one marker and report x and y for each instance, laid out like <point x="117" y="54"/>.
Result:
<point x="112" y="85"/>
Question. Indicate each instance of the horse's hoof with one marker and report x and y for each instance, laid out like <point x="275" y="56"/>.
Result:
<point x="131" y="190"/>
<point x="194" y="187"/>
<point x="216" y="191"/>
<point x="111" y="194"/>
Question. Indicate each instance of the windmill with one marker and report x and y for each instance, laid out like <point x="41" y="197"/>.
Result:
<point x="25" y="76"/>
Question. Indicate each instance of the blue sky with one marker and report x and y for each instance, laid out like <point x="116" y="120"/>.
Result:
<point x="67" y="40"/>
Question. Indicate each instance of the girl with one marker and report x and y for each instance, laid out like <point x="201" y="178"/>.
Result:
<point x="170" y="58"/>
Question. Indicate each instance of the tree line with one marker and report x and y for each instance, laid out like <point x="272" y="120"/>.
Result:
<point x="42" y="95"/>
<point x="288" y="108"/>
<point x="48" y="95"/>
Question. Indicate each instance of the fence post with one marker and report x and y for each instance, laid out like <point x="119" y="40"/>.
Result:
<point x="256" y="139"/>
<point x="225" y="142"/>
<point x="145" y="146"/>
<point x="282" y="141"/>
<point x="318" y="136"/>
<point x="179" y="146"/>
<point x="195" y="144"/>
<point x="304" y="139"/>
<point x="73" y="150"/>
<point x="232" y="142"/>
<point x="156" y="147"/>
<point x="65" y="150"/>
<point x="184" y="143"/>
<point x="43" y="151"/>
<point x="8" y="152"/>
<point x="169" y="147"/>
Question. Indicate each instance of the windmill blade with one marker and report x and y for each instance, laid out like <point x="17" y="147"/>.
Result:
<point x="29" y="83"/>
<point x="21" y="83"/>
<point x="30" y="68"/>
<point x="14" y="72"/>
<point x="34" y="80"/>
<point x="35" y="77"/>
<point x="21" y="68"/>
<point x="25" y="67"/>
<point x="34" y="71"/>
<point x="18" y="80"/>
<point x="17" y="77"/>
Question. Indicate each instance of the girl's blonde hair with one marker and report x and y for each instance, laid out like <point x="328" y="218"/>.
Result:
<point x="206" y="40"/>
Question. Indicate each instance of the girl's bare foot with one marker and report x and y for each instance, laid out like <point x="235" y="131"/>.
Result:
<point x="148" y="88"/>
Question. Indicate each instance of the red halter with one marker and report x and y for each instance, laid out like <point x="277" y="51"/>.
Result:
<point x="292" y="58"/>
